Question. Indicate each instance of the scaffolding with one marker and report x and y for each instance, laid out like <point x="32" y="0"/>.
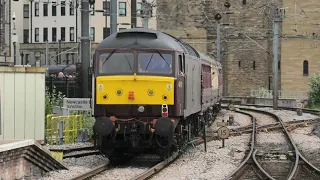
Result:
<point x="5" y="23"/>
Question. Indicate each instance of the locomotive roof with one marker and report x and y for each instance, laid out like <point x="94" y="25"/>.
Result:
<point x="146" y="38"/>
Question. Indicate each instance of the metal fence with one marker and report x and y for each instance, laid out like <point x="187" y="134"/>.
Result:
<point x="63" y="129"/>
<point x="301" y="95"/>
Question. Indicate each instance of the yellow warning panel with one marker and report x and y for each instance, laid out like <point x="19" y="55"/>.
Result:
<point x="57" y="155"/>
<point x="153" y="90"/>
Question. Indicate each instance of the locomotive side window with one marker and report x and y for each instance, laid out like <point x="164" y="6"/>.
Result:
<point x="181" y="64"/>
<point x="155" y="63"/>
<point x="117" y="63"/>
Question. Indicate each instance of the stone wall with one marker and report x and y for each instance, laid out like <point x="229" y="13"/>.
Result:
<point x="239" y="52"/>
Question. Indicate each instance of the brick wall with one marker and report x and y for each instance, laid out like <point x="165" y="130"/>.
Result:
<point x="182" y="15"/>
<point x="26" y="163"/>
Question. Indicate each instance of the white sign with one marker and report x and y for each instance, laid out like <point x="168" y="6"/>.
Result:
<point x="77" y="103"/>
<point x="223" y="132"/>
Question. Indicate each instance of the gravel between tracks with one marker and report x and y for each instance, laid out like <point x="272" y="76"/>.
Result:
<point x="287" y="115"/>
<point x="218" y="162"/>
<point x="120" y="173"/>
<point x="76" y="167"/>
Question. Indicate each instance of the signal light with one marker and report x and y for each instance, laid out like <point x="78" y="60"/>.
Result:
<point x="131" y="95"/>
<point x="164" y="110"/>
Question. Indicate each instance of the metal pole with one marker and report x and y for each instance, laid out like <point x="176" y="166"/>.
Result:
<point x="276" y="22"/>
<point x="113" y="17"/>
<point x="218" y="42"/>
<point x="145" y="15"/>
<point x="47" y="53"/>
<point x="59" y="52"/>
<point x="85" y="46"/>
<point x="77" y="6"/>
<point x="14" y="53"/>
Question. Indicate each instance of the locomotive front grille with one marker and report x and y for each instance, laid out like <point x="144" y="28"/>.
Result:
<point x="147" y="90"/>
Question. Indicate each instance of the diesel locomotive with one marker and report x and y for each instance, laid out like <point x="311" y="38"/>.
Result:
<point x="152" y="92"/>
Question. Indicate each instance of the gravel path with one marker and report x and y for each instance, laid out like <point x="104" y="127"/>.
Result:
<point x="76" y="167"/>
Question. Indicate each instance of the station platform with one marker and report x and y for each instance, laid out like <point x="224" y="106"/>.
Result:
<point x="26" y="159"/>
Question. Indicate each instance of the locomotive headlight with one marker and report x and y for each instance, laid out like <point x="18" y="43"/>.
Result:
<point x="141" y="109"/>
<point x="150" y="92"/>
<point x="119" y="92"/>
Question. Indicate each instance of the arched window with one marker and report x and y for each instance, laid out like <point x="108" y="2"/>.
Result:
<point x="305" y="68"/>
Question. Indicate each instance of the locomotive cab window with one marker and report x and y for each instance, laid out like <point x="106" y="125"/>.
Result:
<point x="155" y="63"/>
<point x="117" y="63"/>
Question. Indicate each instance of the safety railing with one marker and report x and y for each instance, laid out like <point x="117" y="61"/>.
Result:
<point x="299" y="95"/>
<point x="63" y="129"/>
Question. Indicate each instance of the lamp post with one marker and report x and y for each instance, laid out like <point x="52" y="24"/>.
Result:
<point x="14" y="38"/>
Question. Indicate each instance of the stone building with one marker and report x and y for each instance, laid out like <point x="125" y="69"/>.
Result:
<point x="246" y="37"/>
<point x="300" y="44"/>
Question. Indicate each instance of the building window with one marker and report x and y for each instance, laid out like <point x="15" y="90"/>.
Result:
<point x="106" y="7"/>
<point x="45" y="9"/>
<point x="92" y="33"/>
<point x="239" y="64"/>
<point x="63" y="34"/>
<point x="122" y="8"/>
<point x="254" y="65"/>
<point x="92" y="9"/>
<point x="106" y="32"/>
<point x="36" y="9"/>
<point x="71" y="9"/>
<point x="26" y="10"/>
<point x="54" y="9"/>
<point x="36" y="35"/>
<point x="63" y="8"/>
<point x="121" y="29"/>
<point x="305" y="68"/>
<point x="244" y="2"/>
<point x="45" y="34"/>
<point x="139" y="7"/>
<point x="71" y="35"/>
<point x="54" y="34"/>
<point x="26" y="36"/>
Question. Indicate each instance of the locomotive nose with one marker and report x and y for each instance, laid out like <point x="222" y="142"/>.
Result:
<point x="164" y="127"/>
<point x="103" y="126"/>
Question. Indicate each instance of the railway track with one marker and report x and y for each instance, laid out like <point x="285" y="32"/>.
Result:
<point x="301" y="168"/>
<point x="154" y="169"/>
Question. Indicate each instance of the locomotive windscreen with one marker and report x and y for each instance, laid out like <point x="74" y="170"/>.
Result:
<point x="154" y="63"/>
<point x="120" y="62"/>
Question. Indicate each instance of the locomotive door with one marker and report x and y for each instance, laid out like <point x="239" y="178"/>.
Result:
<point x="181" y="84"/>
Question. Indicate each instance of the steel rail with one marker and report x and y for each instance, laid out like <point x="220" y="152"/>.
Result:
<point x="92" y="172"/>
<point x="296" y="163"/>
<point x="81" y="154"/>
<point x="236" y="174"/>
